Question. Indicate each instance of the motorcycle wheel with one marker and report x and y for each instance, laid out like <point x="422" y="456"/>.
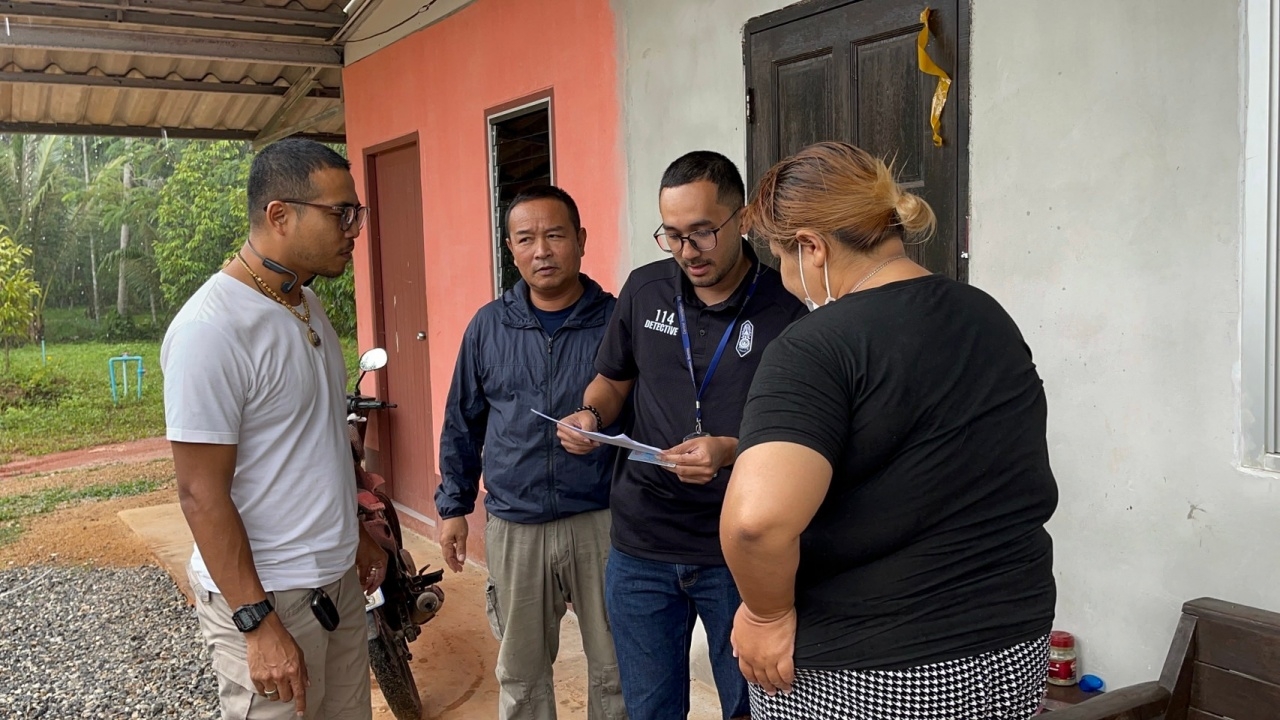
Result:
<point x="389" y="659"/>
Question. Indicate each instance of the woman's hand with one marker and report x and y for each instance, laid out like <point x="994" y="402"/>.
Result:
<point x="765" y="648"/>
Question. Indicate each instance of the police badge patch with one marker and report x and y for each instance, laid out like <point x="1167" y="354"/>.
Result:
<point x="746" y="336"/>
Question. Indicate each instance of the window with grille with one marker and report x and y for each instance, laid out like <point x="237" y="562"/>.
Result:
<point x="520" y="158"/>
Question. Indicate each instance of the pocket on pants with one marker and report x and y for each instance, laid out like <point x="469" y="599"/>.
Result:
<point x="607" y="684"/>
<point x="492" y="610"/>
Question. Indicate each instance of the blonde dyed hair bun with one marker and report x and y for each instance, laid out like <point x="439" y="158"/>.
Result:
<point x="841" y="191"/>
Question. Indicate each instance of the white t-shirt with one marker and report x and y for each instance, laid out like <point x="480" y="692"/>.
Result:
<point x="239" y="370"/>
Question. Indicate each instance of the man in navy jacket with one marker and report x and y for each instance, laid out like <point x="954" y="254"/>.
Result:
<point x="547" y="533"/>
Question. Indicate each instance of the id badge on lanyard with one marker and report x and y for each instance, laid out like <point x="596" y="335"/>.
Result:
<point x="700" y="390"/>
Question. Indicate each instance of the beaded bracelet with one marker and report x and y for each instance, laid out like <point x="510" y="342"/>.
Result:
<point x="596" y="413"/>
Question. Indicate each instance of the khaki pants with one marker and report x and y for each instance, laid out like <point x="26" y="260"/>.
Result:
<point x="337" y="662"/>
<point x="533" y="571"/>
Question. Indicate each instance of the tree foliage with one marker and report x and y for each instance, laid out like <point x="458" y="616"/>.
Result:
<point x="65" y="200"/>
<point x="202" y="216"/>
<point x="339" y="295"/>
<point x="19" y="292"/>
<point x="33" y="179"/>
<point x="112" y="204"/>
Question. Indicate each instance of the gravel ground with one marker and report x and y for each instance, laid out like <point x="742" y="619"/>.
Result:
<point x="100" y="643"/>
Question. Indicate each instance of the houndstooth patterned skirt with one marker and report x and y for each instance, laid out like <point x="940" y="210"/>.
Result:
<point x="1002" y="685"/>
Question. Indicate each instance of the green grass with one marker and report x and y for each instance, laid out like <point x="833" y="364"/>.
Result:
<point x="351" y="358"/>
<point x="62" y="325"/>
<point x="10" y="531"/>
<point x="86" y="417"/>
<point x="13" y="507"/>
<point x="16" y="507"/>
<point x="76" y="325"/>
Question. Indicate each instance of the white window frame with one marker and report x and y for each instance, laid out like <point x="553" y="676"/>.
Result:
<point x="492" y="120"/>
<point x="1259" y="437"/>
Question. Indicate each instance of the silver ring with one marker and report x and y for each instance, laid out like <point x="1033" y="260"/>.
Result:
<point x="268" y="694"/>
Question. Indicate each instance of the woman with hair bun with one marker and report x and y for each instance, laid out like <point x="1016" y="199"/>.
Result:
<point x="885" y="517"/>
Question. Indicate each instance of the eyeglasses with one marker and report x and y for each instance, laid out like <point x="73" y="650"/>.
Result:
<point x="349" y="216"/>
<point x="701" y="240"/>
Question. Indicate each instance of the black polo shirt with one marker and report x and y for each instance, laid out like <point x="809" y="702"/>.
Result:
<point x="655" y="516"/>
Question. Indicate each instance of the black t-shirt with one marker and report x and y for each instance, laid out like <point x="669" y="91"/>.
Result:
<point x="930" y="544"/>
<point x="655" y="516"/>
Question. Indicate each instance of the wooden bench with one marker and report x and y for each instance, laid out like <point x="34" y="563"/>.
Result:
<point x="1224" y="663"/>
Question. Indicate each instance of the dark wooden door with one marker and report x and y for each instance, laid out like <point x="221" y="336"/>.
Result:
<point x="396" y="231"/>
<point x="848" y="71"/>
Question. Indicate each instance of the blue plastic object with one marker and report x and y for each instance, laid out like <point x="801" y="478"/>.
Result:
<point x="1091" y="683"/>
<point x="123" y="363"/>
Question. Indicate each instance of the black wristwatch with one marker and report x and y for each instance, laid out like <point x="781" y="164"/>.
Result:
<point x="249" y="617"/>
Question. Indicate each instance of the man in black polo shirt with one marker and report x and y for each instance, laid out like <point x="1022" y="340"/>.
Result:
<point x="686" y="336"/>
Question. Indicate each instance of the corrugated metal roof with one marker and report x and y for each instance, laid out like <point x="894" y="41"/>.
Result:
<point x="185" y="68"/>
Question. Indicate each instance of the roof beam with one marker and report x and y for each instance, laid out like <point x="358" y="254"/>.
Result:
<point x="35" y="128"/>
<point x="115" y="15"/>
<point x="196" y="86"/>
<point x="355" y="20"/>
<point x="170" y="45"/>
<point x="208" y="8"/>
<point x="263" y="139"/>
<point x="291" y="100"/>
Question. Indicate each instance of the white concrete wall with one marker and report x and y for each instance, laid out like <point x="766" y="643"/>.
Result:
<point x="683" y="88"/>
<point x="1106" y="165"/>
<point x="1106" y="162"/>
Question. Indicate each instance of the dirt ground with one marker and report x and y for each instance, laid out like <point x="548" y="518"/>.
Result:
<point x="88" y="533"/>
<point x="130" y="452"/>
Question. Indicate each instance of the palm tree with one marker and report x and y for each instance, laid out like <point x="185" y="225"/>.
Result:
<point x="33" y="183"/>
<point x="123" y="197"/>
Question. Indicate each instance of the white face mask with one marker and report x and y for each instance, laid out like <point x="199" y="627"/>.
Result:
<point x="826" y="281"/>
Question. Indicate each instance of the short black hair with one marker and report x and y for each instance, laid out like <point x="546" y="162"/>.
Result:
<point x="712" y="166"/>
<point x="283" y="170"/>
<point x="542" y="192"/>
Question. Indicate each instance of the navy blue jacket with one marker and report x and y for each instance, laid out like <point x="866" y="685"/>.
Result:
<point x="507" y="367"/>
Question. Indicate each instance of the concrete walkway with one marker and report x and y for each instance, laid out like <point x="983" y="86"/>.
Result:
<point x="453" y="659"/>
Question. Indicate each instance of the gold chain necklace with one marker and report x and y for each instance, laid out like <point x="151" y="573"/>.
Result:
<point x="869" y="275"/>
<point x="305" y="317"/>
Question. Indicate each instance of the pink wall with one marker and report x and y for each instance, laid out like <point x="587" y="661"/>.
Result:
<point x="439" y="82"/>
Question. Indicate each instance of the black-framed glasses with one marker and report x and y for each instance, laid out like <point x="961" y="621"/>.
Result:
<point x="702" y="240"/>
<point x="349" y="216"/>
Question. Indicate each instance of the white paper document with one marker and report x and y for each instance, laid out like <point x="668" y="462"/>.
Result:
<point x="639" y="451"/>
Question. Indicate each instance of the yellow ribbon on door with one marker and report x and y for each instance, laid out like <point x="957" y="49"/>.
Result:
<point x="927" y="65"/>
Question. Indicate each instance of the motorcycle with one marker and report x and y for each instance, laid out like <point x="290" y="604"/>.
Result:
<point x="408" y="598"/>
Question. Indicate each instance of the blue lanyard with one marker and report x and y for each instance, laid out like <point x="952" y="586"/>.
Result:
<point x="715" y="359"/>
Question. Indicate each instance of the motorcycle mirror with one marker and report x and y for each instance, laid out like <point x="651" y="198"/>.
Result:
<point x="373" y="359"/>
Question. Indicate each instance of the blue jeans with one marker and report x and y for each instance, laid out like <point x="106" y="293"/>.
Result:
<point x="652" y="607"/>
